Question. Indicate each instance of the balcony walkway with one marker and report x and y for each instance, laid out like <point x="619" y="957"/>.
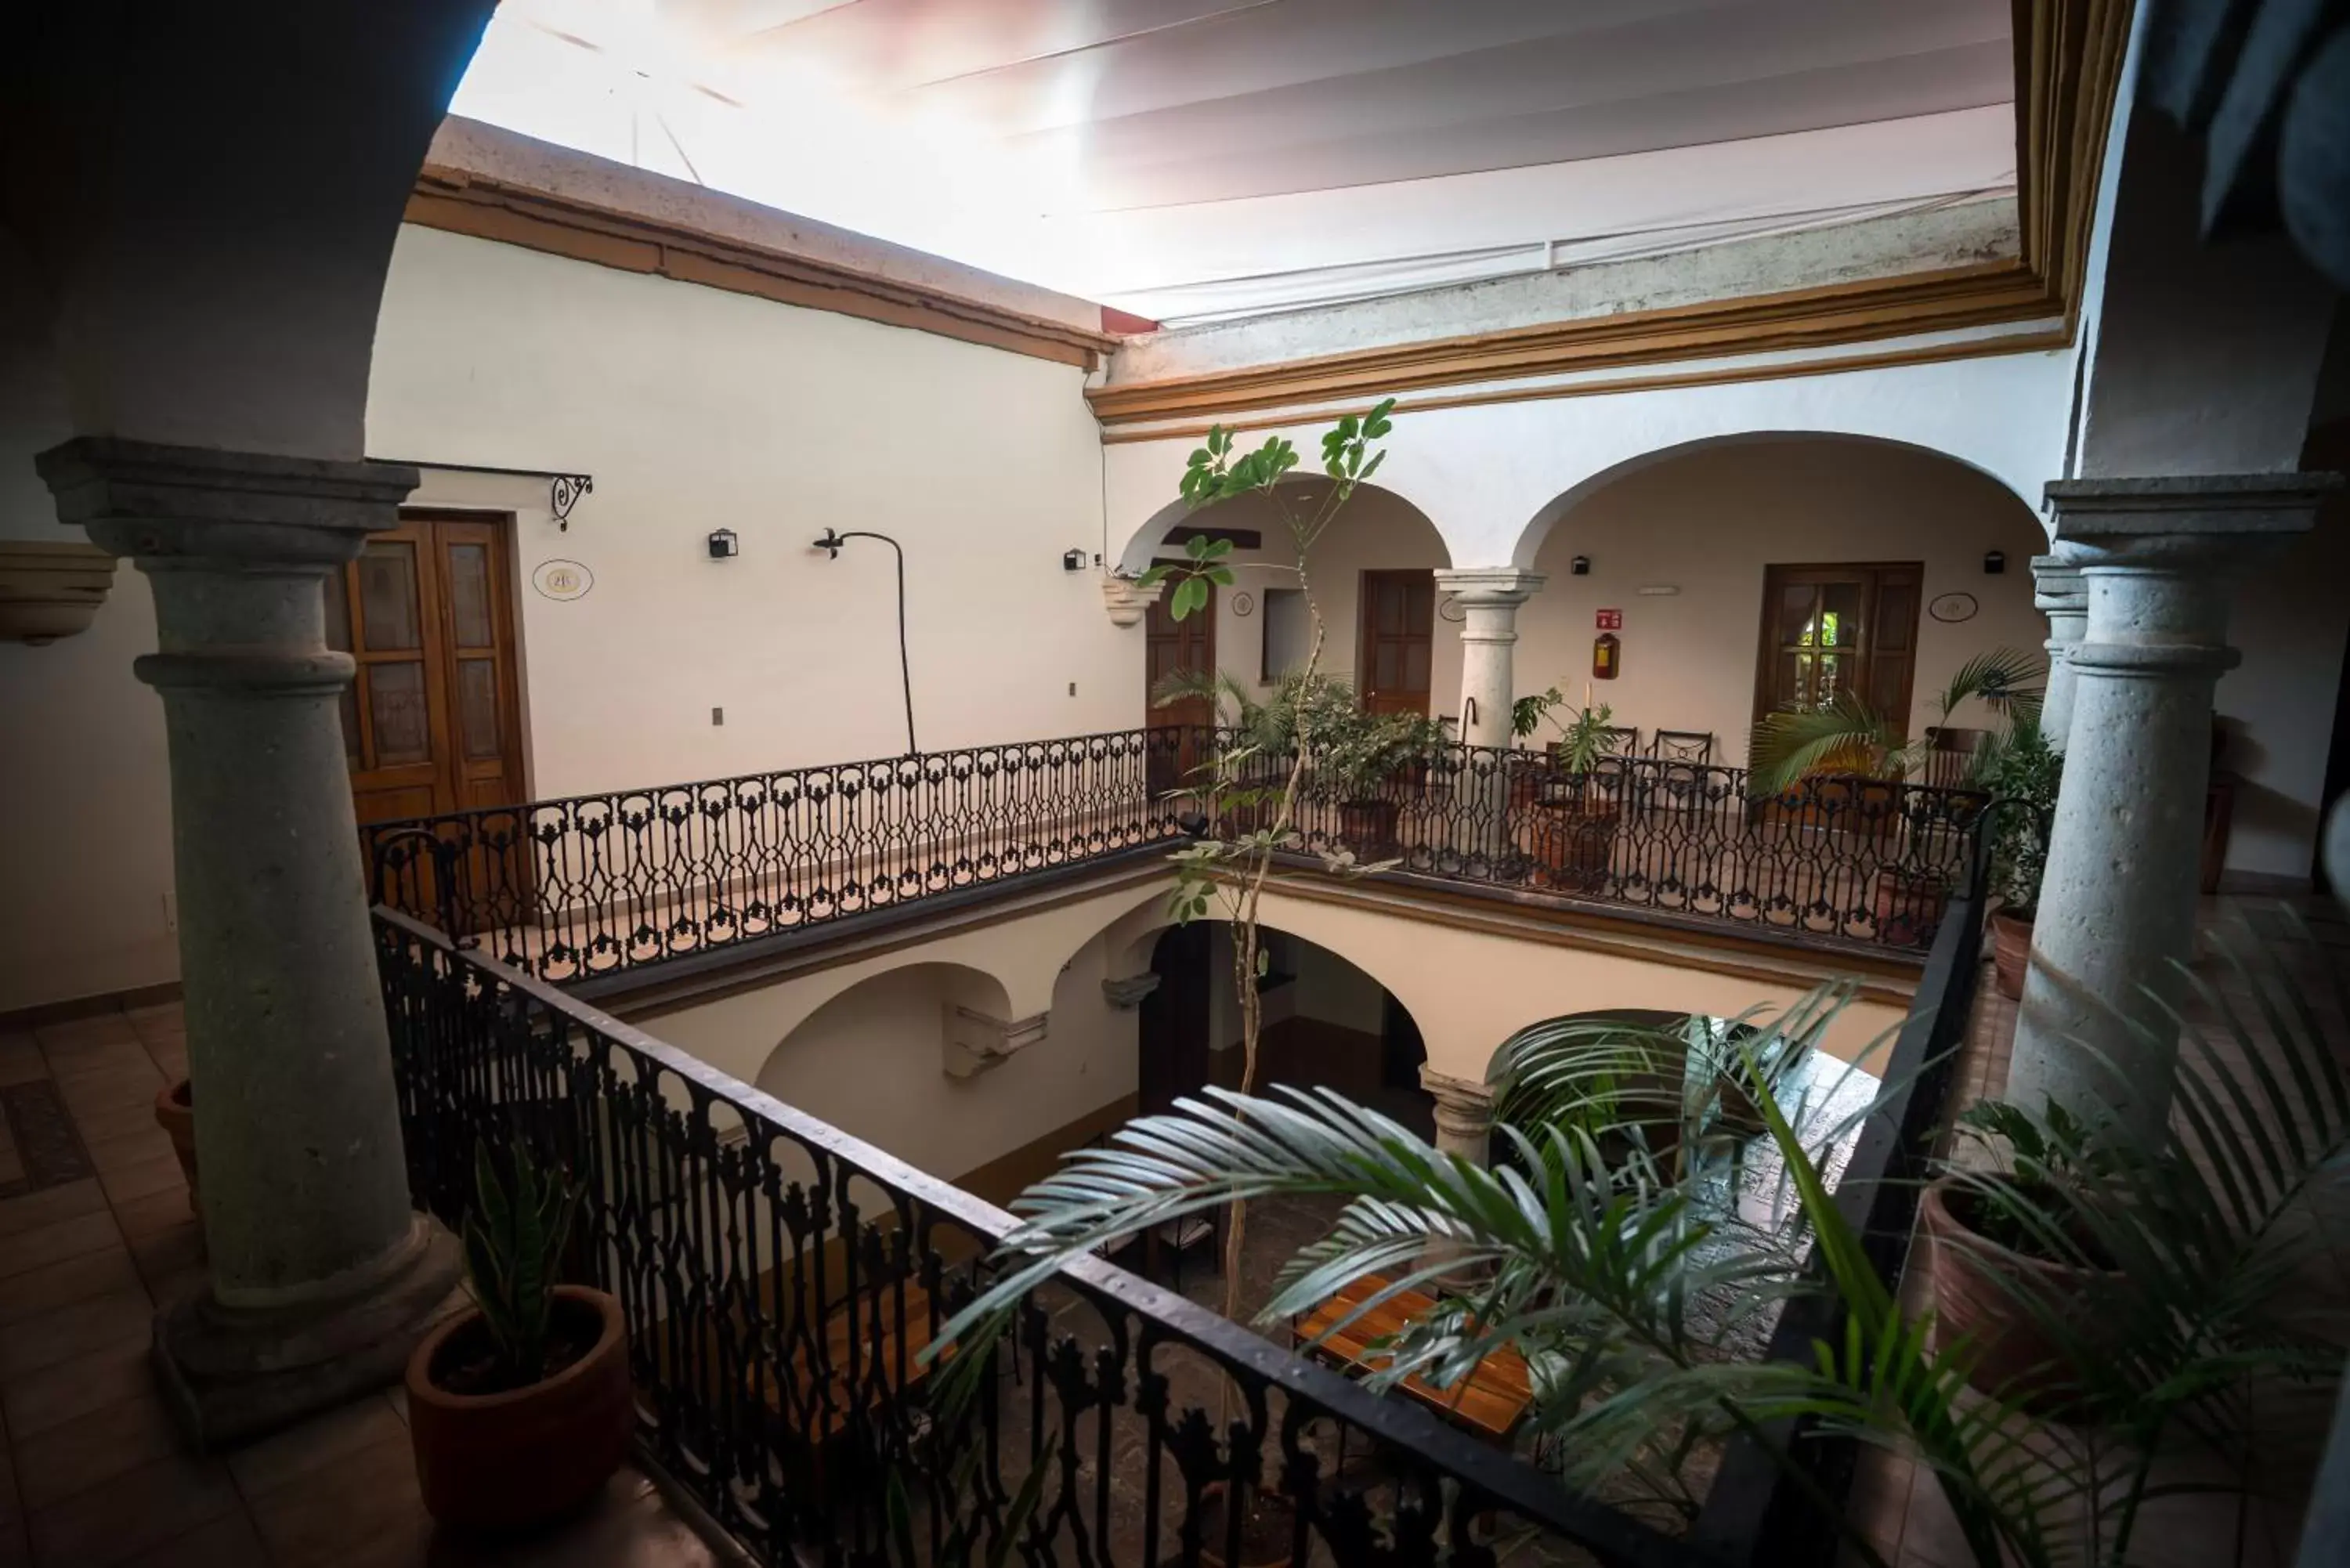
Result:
<point x="95" y="1232"/>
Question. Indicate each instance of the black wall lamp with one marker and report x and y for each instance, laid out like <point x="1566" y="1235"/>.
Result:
<point x="724" y="546"/>
<point x="830" y="544"/>
<point x="1994" y="563"/>
<point x="1580" y="567"/>
<point x="1074" y="560"/>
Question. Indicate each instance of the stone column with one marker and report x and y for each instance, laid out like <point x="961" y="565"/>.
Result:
<point x="1490" y="595"/>
<point x="1464" y="1127"/>
<point x="2060" y="593"/>
<point x="321" y="1276"/>
<point x="2118" y="905"/>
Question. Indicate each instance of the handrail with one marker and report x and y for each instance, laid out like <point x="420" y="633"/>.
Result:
<point x="738" y="1363"/>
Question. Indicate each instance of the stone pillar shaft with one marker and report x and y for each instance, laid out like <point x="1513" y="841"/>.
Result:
<point x="1489" y="598"/>
<point x="2061" y="594"/>
<point x="304" y="1186"/>
<point x="2118" y="904"/>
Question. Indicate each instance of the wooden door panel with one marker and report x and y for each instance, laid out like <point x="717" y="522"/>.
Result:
<point x="1398" y="615"/>
<point x="1168" y="646"/>
<point x="1833" y="630"/>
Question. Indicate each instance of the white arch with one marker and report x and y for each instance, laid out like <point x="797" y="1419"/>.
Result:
<point x="1160" y="532"/>
<point x="1479" y="471"/>
<point x="1537" y="529"/>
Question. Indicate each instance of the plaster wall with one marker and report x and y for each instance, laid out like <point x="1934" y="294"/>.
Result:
<point x="695" y="410"/>
<point x="1494" y="477"/>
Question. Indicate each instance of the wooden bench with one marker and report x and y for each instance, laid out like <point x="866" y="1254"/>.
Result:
<point x="876" y="1369"/>
<point x="1490" y="1401"/>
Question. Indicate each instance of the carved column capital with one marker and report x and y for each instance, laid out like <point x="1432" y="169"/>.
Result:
<point x="1128" y="601"/>
<point x="1126" y="992"/>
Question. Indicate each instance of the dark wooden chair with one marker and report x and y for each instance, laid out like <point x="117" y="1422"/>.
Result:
<point x="1682" y="746"/>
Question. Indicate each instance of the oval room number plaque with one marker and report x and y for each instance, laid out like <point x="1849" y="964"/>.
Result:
<point x="562" y="579"/>
<point x="1953" y="607"/>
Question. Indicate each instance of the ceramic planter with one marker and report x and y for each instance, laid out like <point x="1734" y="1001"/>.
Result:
<point x="2013" y="1351"/>
<point x="175" y="1113"/>
<point x="2011" y="952"/>
<point x="1573" y="845"/>
<point x="503" y="1462"/>
<point x="1908" y="909"/>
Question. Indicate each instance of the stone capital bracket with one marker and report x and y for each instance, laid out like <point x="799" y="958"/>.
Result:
<point x="976" y="1042"/>
<point x="50" y="590"/>
<point x="2057" y="587"/>
<point x="1126" y="992"/>
<point x="153" y="501"/>
<point x="1498" y="588"/>
<point x="1128" y="601"/>
<point x="1469" y="1104"/>
<point x="2183" y="522"/>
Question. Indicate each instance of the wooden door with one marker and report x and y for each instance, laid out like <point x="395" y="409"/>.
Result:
<point x="1172" y="1028"/>
<point x="1398" y="615"/>
<point x="1171" y="645"/>
<point x="1836" y="629"/>
<point x="432" y="722"/>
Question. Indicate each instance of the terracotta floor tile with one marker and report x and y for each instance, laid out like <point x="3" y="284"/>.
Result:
<point x="228" y="1542"/>
<point x="125" y="1182"/>
<point x="169" y="1017"/>
<point x="169" y="1056"/>
<point x="82" y="1034"/>
<point x="102" y="1071"/>
<point x="152" y="1214"/>
<point x="21" y="1061"/>
<point x="368" y="1494"/>
<point x="45" y="1244"/>
<point x="63" y="1333"/>
<point x="50" y="1205"/>
<point x="115" y="1123"/>
<point x="58" y="1393"/>
<point x="166" y="1256"/>
<point x="297" y="1455"/>
<point x="136" y="1512"/>
<point x="136" y="1147"/>
<point x="95" y="1446"/>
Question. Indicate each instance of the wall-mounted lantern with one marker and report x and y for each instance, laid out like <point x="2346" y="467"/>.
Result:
<point x="1994" y="563"/>
<point x="724" y="544"/>
<point x="1580" y="566"/>
<point x="1074" y="560"/>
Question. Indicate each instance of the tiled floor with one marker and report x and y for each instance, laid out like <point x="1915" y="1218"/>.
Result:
<point x="92" y="1474"/>
<point x="1900" y="1504"/>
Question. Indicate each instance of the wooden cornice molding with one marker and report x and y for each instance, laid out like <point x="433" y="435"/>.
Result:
<point x="462" y="201"/>
<point x="2068" y="66"/>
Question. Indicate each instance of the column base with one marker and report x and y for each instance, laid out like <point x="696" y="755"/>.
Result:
<point x="233" y="1372"/>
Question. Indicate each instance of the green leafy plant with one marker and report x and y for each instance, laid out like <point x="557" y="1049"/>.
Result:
<point x="1584" y="739"/>
<point x="1631" y="1283"/>
<point x="1228" y="874"/>
<point x="1847" y="736"/>
<point x="1357" y="753"/>
<point x="1527" y="713"/>
<point x="515" y="1236"/>
<point x="2023" y="772"/>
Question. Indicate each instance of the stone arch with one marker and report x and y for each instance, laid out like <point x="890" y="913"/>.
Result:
<point x="929" y="990"/>
<point x="1161" y="530"/>
<point x="1536" y="530"/>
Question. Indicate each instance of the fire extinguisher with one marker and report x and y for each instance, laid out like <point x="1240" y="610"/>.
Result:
<point x="1607" y="656"/>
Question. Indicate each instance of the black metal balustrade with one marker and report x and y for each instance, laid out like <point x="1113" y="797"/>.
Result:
<point x="780" y="1280"/>
<point x="591" y="885"/>
<point x="1837" y="859"/>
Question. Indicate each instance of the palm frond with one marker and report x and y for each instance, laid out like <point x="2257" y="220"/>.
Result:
<point x="2008" y="680"/>
<point x="1846" y="736"/>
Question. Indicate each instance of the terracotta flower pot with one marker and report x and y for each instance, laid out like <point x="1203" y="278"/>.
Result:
<point x="2010" y="952"/>
<point x="175" y="1113"/>
<point x="1907" y="909"/>
<point x="1573" y="845"/>
<point x="1369" y="826"/>
<point x="2014" y="1352"/>
<point x="501" y="1462"/>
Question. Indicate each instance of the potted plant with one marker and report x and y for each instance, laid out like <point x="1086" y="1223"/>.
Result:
<point x="1846" y="755"/>
<point x="1573" y="837"/>
<point x="2022" y="777"/>
<point x="1356" y="755"/>
<point x="1527" y="715"/>
<point x="519" y="1407"/>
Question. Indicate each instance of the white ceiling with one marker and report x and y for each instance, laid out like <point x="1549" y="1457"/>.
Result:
<point x="1185" y="157"/>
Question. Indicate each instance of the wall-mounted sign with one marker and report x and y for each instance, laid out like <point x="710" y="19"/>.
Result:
<point x="562" y="579"/>
<point x="1611" y="620"/>
<point x="1244" y="604"/>
<point x="1953" y="607"/>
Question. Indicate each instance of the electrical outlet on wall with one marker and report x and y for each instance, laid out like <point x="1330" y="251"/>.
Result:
<point x="1072" y="687"/>
<point x="718" y="715"/>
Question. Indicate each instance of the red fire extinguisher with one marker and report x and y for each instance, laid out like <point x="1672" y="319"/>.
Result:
<point x="1607" y="656"/>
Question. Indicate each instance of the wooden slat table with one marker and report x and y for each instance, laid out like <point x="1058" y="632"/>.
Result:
<point x="1490" y="1401"/>
<point x="820" y="1425"/>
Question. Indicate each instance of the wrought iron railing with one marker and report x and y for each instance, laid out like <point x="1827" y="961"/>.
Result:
<point x="1839" y="860"/>
<point x="780" y="1280"/>
<point x="594" y="884"/>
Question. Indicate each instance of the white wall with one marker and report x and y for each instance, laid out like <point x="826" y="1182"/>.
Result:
<point x="1708" y="522"/>
<point x="86" y="862"/>
<point x="696" y="408"/>
<point x="2289" y="622"/>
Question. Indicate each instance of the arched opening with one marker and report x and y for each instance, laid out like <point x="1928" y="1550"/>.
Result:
<point x="1372" y="579"/>
<point x="1713" y="563"/>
